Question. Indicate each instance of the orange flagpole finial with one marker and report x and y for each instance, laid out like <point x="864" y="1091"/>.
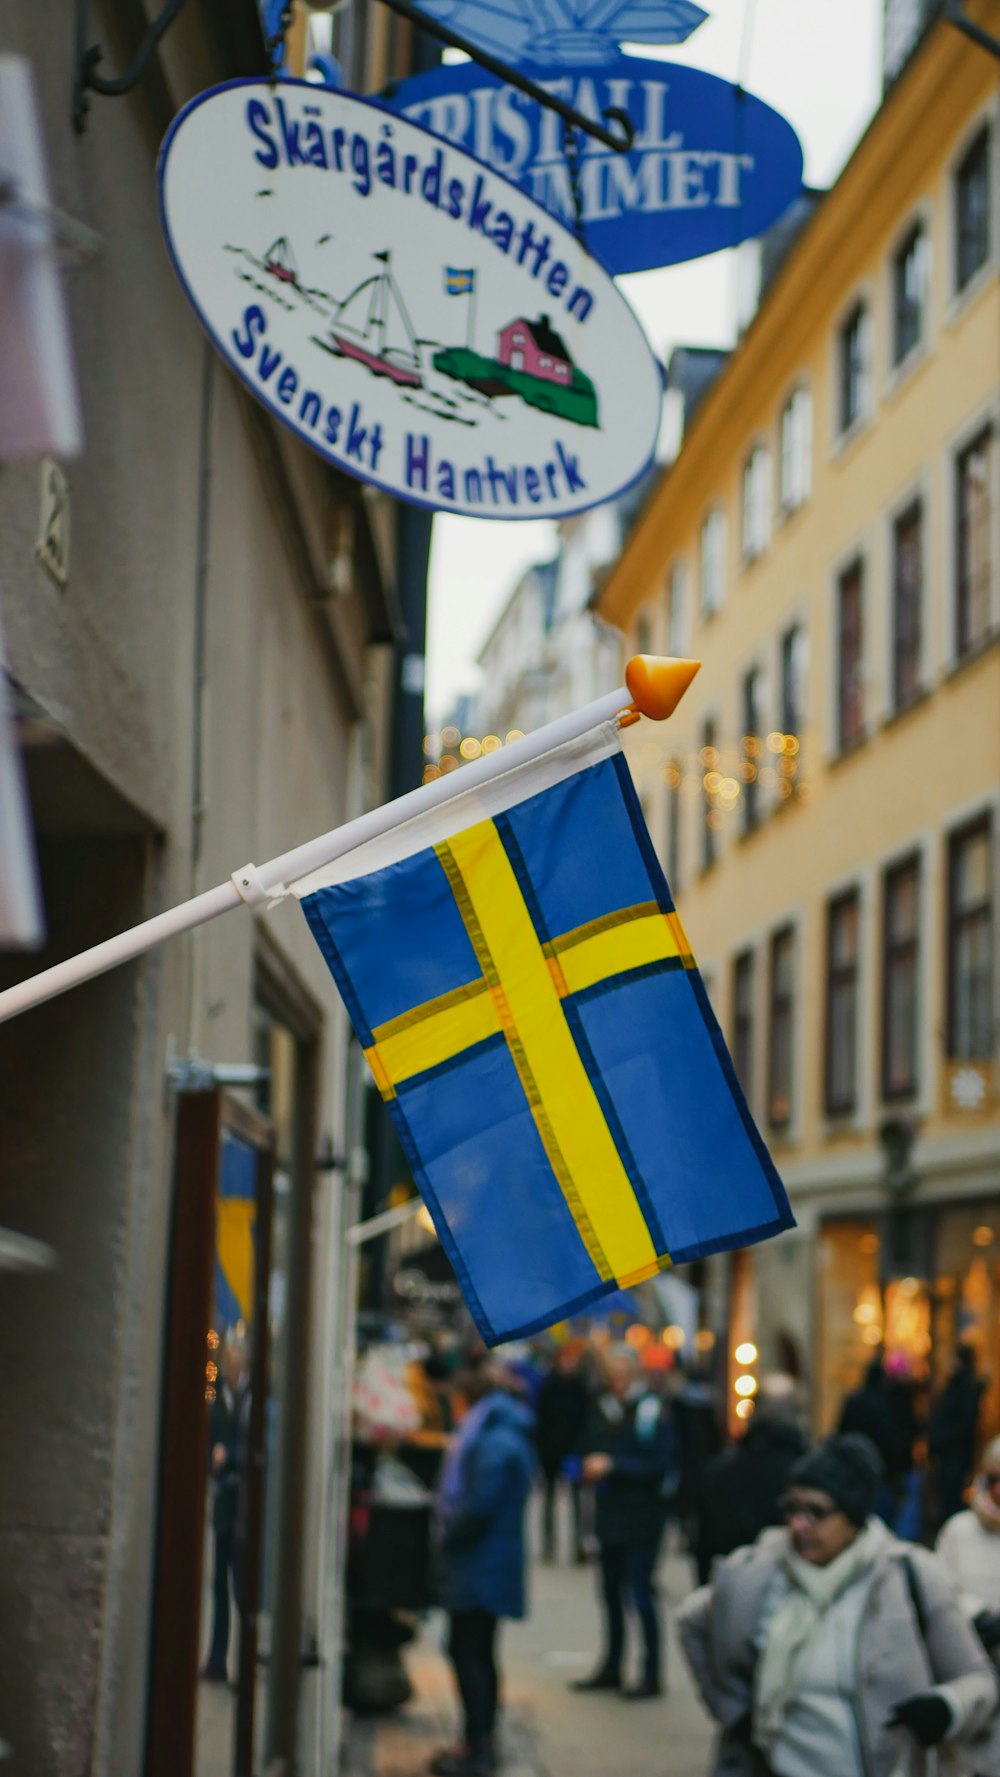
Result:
<point x="657" y="685"/>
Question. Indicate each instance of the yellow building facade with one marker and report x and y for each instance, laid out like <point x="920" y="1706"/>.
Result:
<point x="827" y="799"/>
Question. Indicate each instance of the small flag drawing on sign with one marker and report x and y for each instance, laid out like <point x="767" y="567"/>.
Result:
<point x="459" y="283"/>
<point x="532" y="1014"/>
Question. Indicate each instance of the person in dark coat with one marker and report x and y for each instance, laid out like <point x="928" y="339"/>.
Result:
<point x="561" y="1421"/>
<point x="742" y="1487"/>
<point x="484" y="1489"/>
<point x="227" y="1422"/>
<point x="951" y="1432"/>
<point x="882" y="1410"/>
<point x="631" y="1458"/>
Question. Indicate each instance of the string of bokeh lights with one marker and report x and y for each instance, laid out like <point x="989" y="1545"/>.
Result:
<point x="721" y="775"/>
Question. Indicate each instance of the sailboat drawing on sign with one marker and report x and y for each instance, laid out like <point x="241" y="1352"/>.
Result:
<point x="279" y="260"/>
<point x="373" y="327"/>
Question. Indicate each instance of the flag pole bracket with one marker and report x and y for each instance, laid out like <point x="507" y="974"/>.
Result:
<point x="252" y="890"/>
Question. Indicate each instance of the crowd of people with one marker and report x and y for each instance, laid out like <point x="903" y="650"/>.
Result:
<point x="822" y="1641"/>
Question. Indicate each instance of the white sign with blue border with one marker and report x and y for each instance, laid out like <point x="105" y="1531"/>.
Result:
<point x="415" y="318"/>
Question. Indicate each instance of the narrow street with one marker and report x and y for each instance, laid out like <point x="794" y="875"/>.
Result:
<point x="548" y="1730"/>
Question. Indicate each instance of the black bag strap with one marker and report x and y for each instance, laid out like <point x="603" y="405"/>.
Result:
<point x="916" y="1594"/>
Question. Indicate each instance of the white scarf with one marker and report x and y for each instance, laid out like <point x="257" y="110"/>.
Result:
<point x="798" y="1616"/>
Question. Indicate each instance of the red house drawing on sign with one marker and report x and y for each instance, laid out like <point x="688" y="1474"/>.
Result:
<point x="535" y="348"/>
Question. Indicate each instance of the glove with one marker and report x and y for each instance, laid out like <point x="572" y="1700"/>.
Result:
<point x="987" y="1627"/>
<point x="927" y="1716"/>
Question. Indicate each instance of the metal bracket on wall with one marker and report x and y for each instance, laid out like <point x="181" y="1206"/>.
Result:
<point x="86" y="78"/>
<point x="955" y="15"/>
<point x="620" y="140"/>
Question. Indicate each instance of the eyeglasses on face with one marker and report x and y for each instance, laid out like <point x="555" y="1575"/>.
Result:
<point x="810" y="1513"/>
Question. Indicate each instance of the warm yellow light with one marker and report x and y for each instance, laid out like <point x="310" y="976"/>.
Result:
<point x="431" y="773"/>
<point x="729" y="789"/>
<point x="513" y="734"/>
<point x="791" y="744"/>
<point x="712" y="780"/>
<point x="212" y="1339"/>
<point x="638" y="1336"/>
<point x="746" y="1353"/>
<point x="432" y="744"/>
<point x="752" y="746"/>
<point x="492" y="743"/>
<point x="983" y="1236"/>
<point x="744" y="1409"/>
<point x="451" y="735"/>
<point x="470" y="747"/>
<point x="671" y="776"/>
<point x="872" y="1336"/>
<point x="448" y="762"/>
<point x="747" y="771"/>
<point x="775" y="742"/>
<point x="745" y="1385"/>
<point x="716" y="819"/>
<point x="425" y="1220"/>
<point x="705" y="1339"/>
<point x="674" y="1337"/>
<point x="709" y="757"/>
<point x="865" y="1314"/>
<point x="868" y="1243"/>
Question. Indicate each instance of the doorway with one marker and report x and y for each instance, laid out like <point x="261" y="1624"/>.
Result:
<point x="213" y="1474"/>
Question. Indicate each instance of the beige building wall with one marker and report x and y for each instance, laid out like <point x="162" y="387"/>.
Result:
<point x="915" y="775"/>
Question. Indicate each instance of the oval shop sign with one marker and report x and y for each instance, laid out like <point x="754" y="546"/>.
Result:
<point x="711" y="165"/>
<point x="414" y="317"/>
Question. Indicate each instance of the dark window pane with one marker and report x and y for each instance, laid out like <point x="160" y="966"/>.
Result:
<point x="900" y="1007"/>
<point x="743" y="1010"/>
<point x="852" y="367"/>
<point x="850" y="664"/>
<point x="970" y="944"/>
<point x="793" y="680"/>
<point x="843" y="923"/>
<point x="710" y="818"/>
<point x="751" y="739"/>
<point x="781" y="1032"/>
<point x="974" y="545"/>
<point x="908" y="294"/>
<point x="972" y="206"/>
<point x="907" y="606"/>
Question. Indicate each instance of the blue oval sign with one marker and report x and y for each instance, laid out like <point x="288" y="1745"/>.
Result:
<point x="711" y="166"/>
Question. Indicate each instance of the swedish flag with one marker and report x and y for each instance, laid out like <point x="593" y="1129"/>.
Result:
<point x="459" y="282"/>
<point x="527" y="1000"/>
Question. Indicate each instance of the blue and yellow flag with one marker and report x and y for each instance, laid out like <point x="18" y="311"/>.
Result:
<point x="531" y="1011"/>
<point x="459" y="282"/>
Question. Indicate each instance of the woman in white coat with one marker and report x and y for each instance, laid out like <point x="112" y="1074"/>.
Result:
<point x="969" y="1545"/>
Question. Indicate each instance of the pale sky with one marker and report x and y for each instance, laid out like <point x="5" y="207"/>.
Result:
<point x="818" y="62"/>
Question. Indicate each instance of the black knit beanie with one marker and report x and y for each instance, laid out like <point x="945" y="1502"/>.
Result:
<point x="848" y="1468"/>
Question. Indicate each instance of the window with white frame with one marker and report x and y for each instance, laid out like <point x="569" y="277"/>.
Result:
<point x="901" y="978"/>
<point x="677" y="617"/>
<point x="796" y="450"/>
<point x="712" y="561"/>
<point x="907" y="605"/>
<point x="852" y="367"/>
<point x="975" y="475"/>
<point x="843" y="958"/>
<point x="850" y="690"/>
<point x="756" y="503"/>
<point x="909" y="293"/>
<point x="971" y="1028"/>
<point x="744" y="994"/>
<point x="781" y="1028"/>
<point x="794" y="668"/>
<point x="973" y="182"/>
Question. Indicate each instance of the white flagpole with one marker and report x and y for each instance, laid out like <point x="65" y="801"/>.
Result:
<point x="255" y="885"/>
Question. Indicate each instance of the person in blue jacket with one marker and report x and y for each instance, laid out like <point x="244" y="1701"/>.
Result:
<point x="632" y="1462"/>
<point x="484" y="1489"/>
